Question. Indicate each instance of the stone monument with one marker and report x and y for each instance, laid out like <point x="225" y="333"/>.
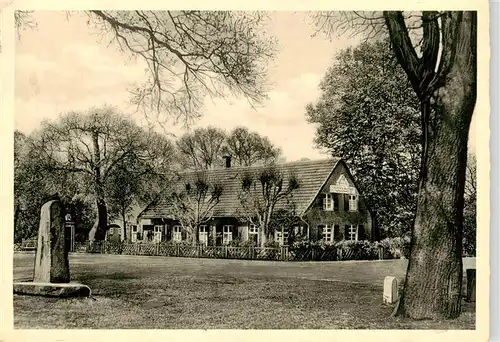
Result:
<point x="51" y="276"/>
<point x="51" y="261"/>
<point x="390" y="290"/>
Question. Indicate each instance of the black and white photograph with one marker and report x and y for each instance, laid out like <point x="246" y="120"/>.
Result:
<point x="181" y="169"/>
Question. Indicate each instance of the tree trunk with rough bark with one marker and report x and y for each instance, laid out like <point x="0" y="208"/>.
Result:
<point x="194" y="237"/>
<point x="102" y="210"/>
<point x="124" y="225"/>
<point x="433" y="284"/>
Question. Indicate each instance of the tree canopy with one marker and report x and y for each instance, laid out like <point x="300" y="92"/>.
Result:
<point x="250" y="148"/>
<point x="86" y="153"/>
<point x="205" y="148"/>
<point x="368" y="114"/>
<point x="438" y="52"/>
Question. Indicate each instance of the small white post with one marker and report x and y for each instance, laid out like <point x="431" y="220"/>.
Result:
<point x="390" y="290"/>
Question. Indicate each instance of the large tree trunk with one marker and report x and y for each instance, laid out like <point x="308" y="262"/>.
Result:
<point x="124" y="226"/>
<point x="194" y="237"/>
<point x="102" y="210"/>
<point x="433" y="283"/>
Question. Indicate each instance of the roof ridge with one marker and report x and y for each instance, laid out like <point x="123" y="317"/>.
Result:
<point x="256" y="167"/>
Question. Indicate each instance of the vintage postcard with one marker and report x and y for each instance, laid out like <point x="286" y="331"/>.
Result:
<point x="260" y="171"/>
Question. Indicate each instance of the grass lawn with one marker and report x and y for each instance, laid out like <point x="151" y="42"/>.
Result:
<point x="181" y="293"/>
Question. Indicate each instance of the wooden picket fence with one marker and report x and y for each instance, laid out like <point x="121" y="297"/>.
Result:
<point x="226" y="252"/>
<point x="186" y="251"/>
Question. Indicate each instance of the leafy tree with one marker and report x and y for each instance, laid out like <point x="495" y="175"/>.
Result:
<point x="249" y="148"/>
<point x="140" y="177"/>
<point x="369" y="115"/>
<point x="260" y="193"/>
<point x="92" y="146"/>
<point x="82" y="214"/>
<point x="202" y="148"/>
<point x="193" y="203"/>
<point x="440" y="61"/>
<point x="34" y="184"/>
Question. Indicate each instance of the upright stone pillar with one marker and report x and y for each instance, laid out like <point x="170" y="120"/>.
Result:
<point x="51" y="261"/>
<point x="390" y="290"/>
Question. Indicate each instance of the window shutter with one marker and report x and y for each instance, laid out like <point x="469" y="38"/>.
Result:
<point x="346" y="232"/>
<point x="320" y="232"/>
<point x="183" y="234"/>
<point x="335" y="202"/>
<point x="361" y="232"/>
<point x="346" y="202"/>
<point x="336" y="232"/>
<point x="168" y="232"/>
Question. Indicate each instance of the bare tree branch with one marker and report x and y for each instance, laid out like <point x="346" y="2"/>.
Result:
<point x="191" y="54"/>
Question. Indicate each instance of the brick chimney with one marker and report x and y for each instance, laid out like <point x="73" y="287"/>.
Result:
<point x="228" y="161"/>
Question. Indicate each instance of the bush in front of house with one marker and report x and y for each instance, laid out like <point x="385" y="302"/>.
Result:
<point x="395" y="248"/>
<point x="358" y="250"/>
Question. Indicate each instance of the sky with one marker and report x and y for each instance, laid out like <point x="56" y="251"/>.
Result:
<point x="64" y="65"/>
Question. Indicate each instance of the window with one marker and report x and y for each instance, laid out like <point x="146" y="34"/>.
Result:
<point x="253" y="229"/>
<point x="328" y="202"/>
<point x="327" y="233"/>
<point x="134" y="228"/>
<point x="281" y="237"/>
<point x="227" y="234"/>
<point x="352" y="232"/>
<point x="353" y="203"/>
<point x="157" y="230"/>
<point x="203" y="233"/>
<point x="177" y="235"/>
<point x="253" y="233"/>
<point x="110" y="231"/>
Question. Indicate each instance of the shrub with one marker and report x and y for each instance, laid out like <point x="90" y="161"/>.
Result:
<point x="396" y="247"/>
<point x="249" y="243"/>
<point x="271" y="244"/>
<point x="359" y="250"/>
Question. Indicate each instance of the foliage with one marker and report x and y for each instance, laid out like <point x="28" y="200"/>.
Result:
<point x="369" y="115"/>
<point x="435" y="63"/>
<point x="394" y="248"/>
<point x="397" y="247"/>
<point x="82" y="153"/>
<point x="34" y="184"/>
<point x="83" y="215"/>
